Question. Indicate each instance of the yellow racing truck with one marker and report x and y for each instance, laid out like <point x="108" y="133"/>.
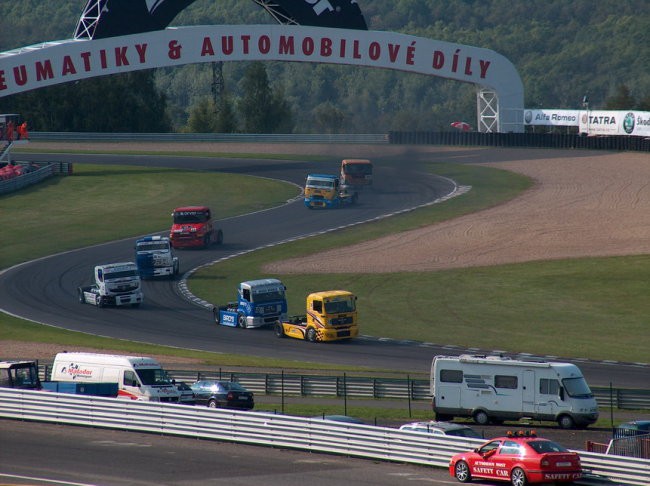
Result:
<point x="331" y="316"/>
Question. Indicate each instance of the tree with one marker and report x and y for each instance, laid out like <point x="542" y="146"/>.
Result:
<point x="261" y="111"/>
<point x="119" y="103"/>
<point x="328" y="118"/>
<point x="622" y="100"/>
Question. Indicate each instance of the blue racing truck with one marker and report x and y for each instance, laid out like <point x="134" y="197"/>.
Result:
<point x="260" y="303"/>
<point x="155" y="257"/>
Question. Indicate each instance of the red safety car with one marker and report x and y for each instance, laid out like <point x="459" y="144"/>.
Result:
<point x="520" y="458"/>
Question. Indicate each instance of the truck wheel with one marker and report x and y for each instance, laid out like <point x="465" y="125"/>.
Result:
<point x="310" y="335"/>
<point x="219" y="239"/>
<point x="176" y="269"/>
<point x="279" y="330"/>
<point x="206" y="241"/>
<point x="80" y="294"/>
<point x="100" y="301"/>
<point x="481" y="418"/>
<point x="216" y="313"/>
<point x="241" y="321"/>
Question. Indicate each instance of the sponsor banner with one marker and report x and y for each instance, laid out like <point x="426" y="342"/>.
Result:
<point x="635" y="123"/>
<point x="565" y="118"/>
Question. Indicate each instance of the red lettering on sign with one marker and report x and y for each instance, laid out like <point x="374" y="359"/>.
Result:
<point x="68" y="66"/>
<point x="325" y="47"/>
<point x="206" y="48"/>
<point x="264" y="44"/>
<point x="44" y="70"/>
<point x="393" y="51"/>
<point x="120" y="57"/>
<point x="308" y="46"/>
<point x="227" y="44"/>
<point x="245" y="39"/>
<point x="3" y="83"/>
<point x="86" y="59"/>
<point x="141" y="49"/>
<point x="20" y="75"/>
<point x="375" y="51"/>
<point x="484" y="67"/>
<point x="287" y="45"/>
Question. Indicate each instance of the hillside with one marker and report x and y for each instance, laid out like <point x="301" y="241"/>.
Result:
<point x="563" y="50"/>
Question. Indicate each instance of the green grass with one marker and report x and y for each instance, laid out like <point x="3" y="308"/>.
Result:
<point x="101" y="203"/>
<point x="564" y="308"/>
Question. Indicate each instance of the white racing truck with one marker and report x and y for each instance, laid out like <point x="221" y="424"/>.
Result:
<point x="155" y="257"/>
<point x="115" y="284"/>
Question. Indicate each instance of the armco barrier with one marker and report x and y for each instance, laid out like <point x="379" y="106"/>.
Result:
<point x="265" y="429"/>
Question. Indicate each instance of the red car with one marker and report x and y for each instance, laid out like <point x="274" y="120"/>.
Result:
<point x="520" y="458"/>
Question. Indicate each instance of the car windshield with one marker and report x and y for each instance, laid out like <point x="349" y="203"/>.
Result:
<point x="182" y="217"/>
<point x="339" y="305"/>
<point x="464" y="432"/>
<point x="543" y="446"/>
<point x="122" y="274"/>
<point x="154" y="245"/>
<point x="577" y="388"/>
<point x="156" y="376"/>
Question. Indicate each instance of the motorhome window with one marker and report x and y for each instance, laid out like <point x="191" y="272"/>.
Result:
<point x="577" y="387"/>
<point x="130" y="379"/>
<point x="549" y="387"/>
<point x="503" y="381"/>
<point x="451" y="376"/>
<point x="155" y="376"/>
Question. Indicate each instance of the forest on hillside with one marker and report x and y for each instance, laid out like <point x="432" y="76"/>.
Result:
<point x="562" y="49"/>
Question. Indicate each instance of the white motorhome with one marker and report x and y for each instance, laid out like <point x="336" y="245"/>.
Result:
<point x="137" y="378"/>
<point x="496" y="388"/>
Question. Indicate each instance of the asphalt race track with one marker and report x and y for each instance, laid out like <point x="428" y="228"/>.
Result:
<point x="45" y="290"/>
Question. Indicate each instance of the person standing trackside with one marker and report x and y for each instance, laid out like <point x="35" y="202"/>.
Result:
<point x="10" y="131"/>
<point x="22" y="131"/>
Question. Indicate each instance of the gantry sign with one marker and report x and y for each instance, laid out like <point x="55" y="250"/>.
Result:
<point x="500" y="93"/>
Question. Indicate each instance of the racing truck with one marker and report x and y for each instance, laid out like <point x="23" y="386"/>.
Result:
<point x="114" y="284"/>
<point x="325" y="191"/>
<point x="356" y="173"/>
<point x="331" y="316"/>
<point x="260" y="303"/>
<point x="193" y="227"/>
<point x="155" y="257"/>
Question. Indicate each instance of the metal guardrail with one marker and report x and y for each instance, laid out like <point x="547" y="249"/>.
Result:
<point x="265" y="429"/>
<point x="362" y="386"/>
<point x="379" y="388"/>
<point x="31" y="178"/>
<point x="210" y="137"/>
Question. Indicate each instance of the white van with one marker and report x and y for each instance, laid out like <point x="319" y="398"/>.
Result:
<point x="496" y="388"/>
<point x="137" y="378"/>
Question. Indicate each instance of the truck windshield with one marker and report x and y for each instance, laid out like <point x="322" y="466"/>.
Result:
<point x="268" y="296"/>
<point x="357" y="169"/>
<point x="320" y="183"/>
<point x="122" y="274"/>
<point x="340" y="305"/>
<point x="156" y="376"/>
<point x="577" y="388"/>
<point x="21" y="376"/>
<point x="151" y="246"/>
<point x="182" y="217"/>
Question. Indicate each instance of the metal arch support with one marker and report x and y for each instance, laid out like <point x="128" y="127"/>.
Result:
<point x="487" y="107"/>
<point x="89" y="19"/>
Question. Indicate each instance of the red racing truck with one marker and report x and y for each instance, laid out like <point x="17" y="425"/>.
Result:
<point x="194" y="228"/>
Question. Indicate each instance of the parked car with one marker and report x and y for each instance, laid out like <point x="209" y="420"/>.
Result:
<point x="187" y="395"/>
<point x="632" y="429"/>
<point x="222" y="394"/>
<point x="442" y="428"/>
<point x="520" y="459"/>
